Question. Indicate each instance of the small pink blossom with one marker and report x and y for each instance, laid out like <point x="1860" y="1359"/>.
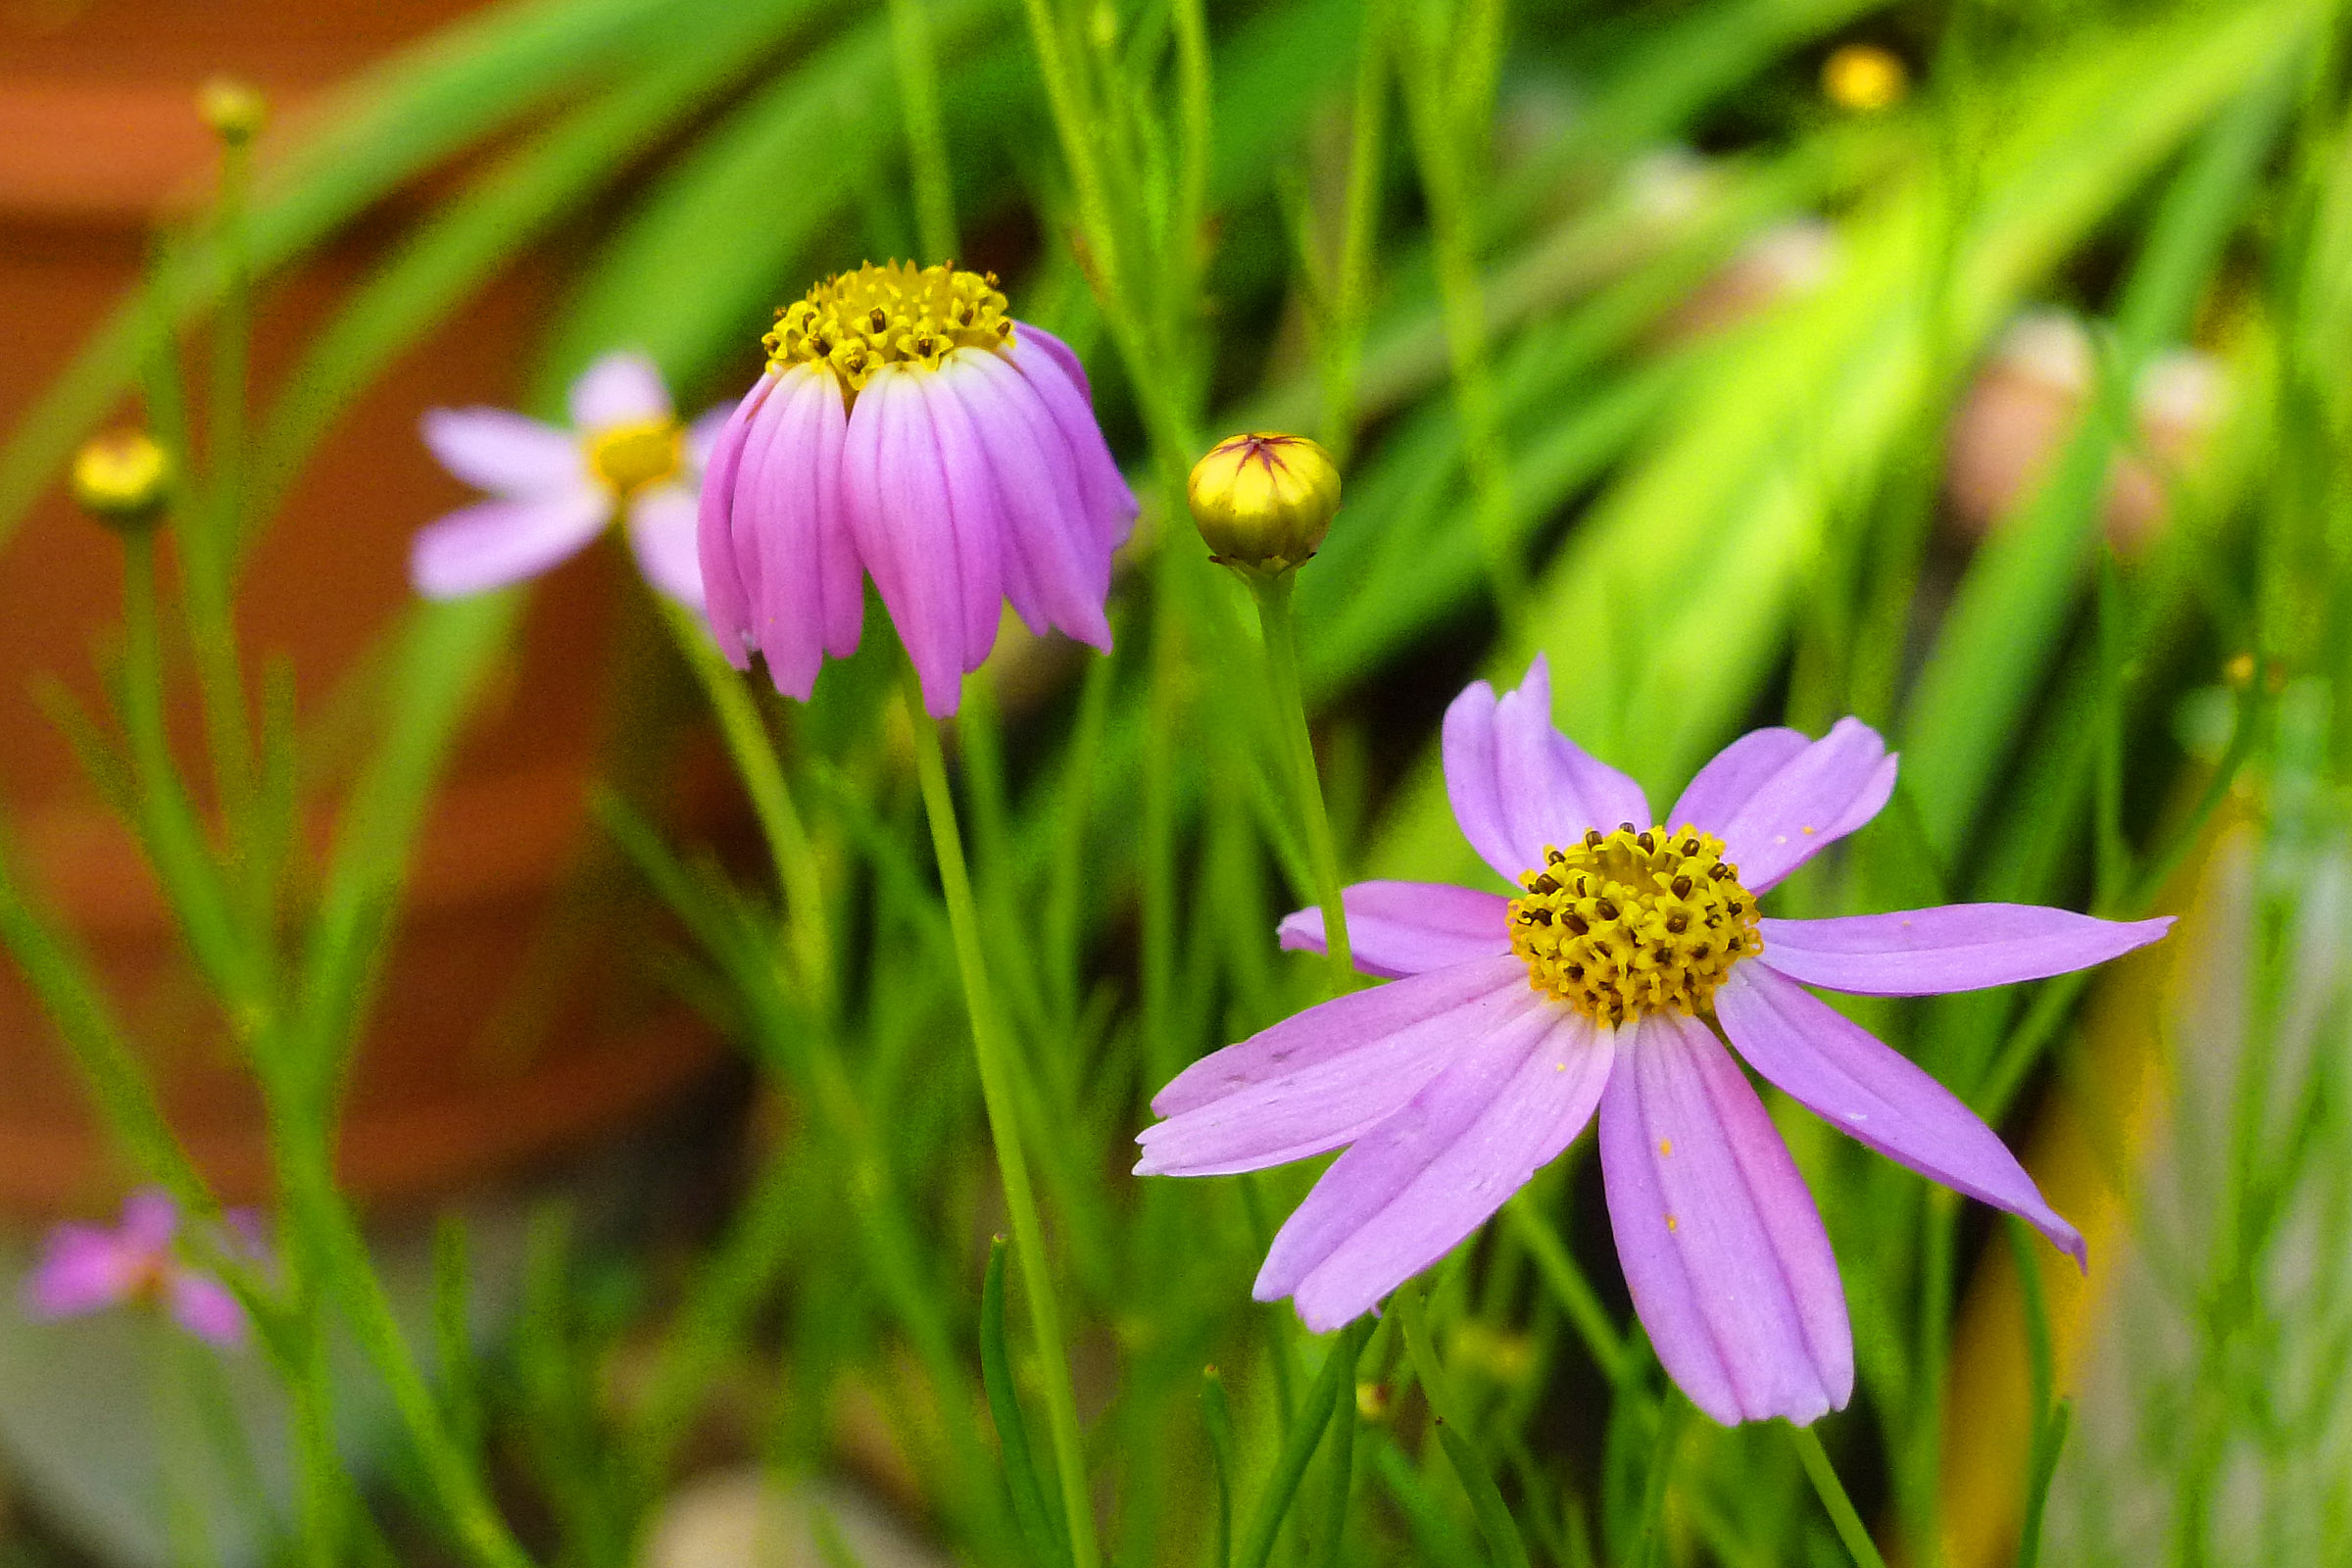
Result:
<point x="88" y="1268"/>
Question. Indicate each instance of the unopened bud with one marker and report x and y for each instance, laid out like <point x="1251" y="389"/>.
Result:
<point x="1263" y="500"/>
<point x="1864" y="77"/>
<point x="119" y="478"/>
<point x="235" y="111"/>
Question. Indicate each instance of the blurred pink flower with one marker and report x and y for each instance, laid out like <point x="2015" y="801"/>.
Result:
<point x="88" y="1268"/>
<point x="1613" y="982"/>
<point x="554" y="490"/>
<point x="906" y="428"/>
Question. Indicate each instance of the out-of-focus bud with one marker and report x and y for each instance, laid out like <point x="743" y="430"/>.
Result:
<point x="1264" y="501"/>
<point x="119" y="478"/>
<point x="1864" y="77"/>
<point x="1372" y="1401"/>
<point x="235" y="110"/>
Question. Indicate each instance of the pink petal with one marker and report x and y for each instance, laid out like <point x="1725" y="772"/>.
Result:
<point x="1319" y="1104"/>
<point x="1733" y="775"/>
<point x="1518" y="785"/>
<point x="494" y="544"/>
<point x="1338" y="1026"/>
<point x="1838" y="1070"/>
<point x="728" y="599"/>
<point x="663" y="524"/>
<point x="1407" y="1193"/>
<point x="1793" y="810"/>
<point x="619" y="389"/>
<point x="1401" y="928"/>
<point x="503" y="452"/>
<point x="205" y="1307"/>
<point x="1954" y="947"/>
<point x="895" y="491"/>
<point x="1047" y="364"/>
<point x="83" y="1269"/>
<point x="150" y="1219"/>
<point x="790" y="532"/>
<point x="984" y="553"/>
<point x="1056" y="572"/>
<point x="1720" y="1242"/>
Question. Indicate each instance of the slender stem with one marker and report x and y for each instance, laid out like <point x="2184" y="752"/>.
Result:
<point x="1359" y="228"/>
<point x="1012" y="1164"/>
<point x="926" y="146"/>
<point x="799" y="873"/>
<point x="1833" y="1498"/>
<point x="1273" y="596"/>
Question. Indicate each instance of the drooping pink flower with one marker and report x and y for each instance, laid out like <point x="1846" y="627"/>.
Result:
<point x="554" y="490"/>
<point x="1612" y="981"/>
<point x="88" y="1268"/>
<point x="908" y="428"/>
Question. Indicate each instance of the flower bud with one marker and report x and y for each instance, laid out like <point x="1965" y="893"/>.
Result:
<point x="234" y="109"/>
<point x="1263" y="500"/>
<point x="119" y="478"/>
<point x="1864" y="77"/>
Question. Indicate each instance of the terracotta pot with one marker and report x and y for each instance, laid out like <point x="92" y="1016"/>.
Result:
<point x="511" y="1023"/>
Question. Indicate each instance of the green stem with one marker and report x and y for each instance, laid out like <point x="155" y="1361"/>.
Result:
<point x="1012" y="1164"/>
<point x="1494" y="1520"/>
<point x="1273" y="596"/>
<point x="799" y="873"/>
<point x="927" y="147"/>
<point x="1361" y="228"/>
<point x="1824" y="1480"/>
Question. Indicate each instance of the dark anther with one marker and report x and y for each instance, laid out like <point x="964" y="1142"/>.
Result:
<point x="1539" y="915"/>
<point x="1608" y="910"/>
<point x="1625" y="827"/>
<point x="1543" y="883"/>
<point x="1681" y="887"/>
<point x="1690" y="845"/>
<point x="879" y="320"/>
<point x="1718" y="871"/>
<point x="1739" y="907"/>
<point x="1592" y="838"/>
<point x="1575" y="971"/>
<point x="1649" y="845"/>
<point x="1678" y="922"/>
<point x="1575" y="923"/>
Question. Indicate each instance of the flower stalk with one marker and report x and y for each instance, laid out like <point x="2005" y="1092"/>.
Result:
<point x="1275" y="621"/>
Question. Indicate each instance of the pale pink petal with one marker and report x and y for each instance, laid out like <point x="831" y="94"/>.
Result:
<point x="1340" y="1025"/>
<point x="205" y="1307"/>
<point x="1835" y="1067"/>
<point x="505" y="453"/>
<point x="895" y="492"/>
<point x="1408" y="1191"/>
<point x="661" y="536"/>
<point x="727" y="595"/>
<point x="621" y="388"/>
<point x="1055" y="571"/>
<point x="83" y="1269"/>
<point x="789" y="531"/>
<point x="1721" y="1244"/>
<point x="1518" y="785"/>
<point x="1733" y="775"/>
<point x="1401" y="928"/>
<point x="494" y="544"/>
<point x="150" y="1219"/>
<point x="984" y="553"/>
<point x="1319" y="1104"/>
<point x="1812" y="799"/>
<point x="1051" y="370"/>
<point x="1953" y="946"/>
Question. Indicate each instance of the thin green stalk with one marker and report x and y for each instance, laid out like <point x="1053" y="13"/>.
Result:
<point x="1651" y="1549"/>
<point x="1334" y="1385"/>
<point x="1359" y="228"/>
<point x="1274" y="619"/>
<point x="799" y="873"/>
<point x="1833" y="1498"/>
<point x="1494" y="1520"/>
<point x="1342" y="1456"/>
<point x="926" y="146"/>
<point x="1012" y="1164"/>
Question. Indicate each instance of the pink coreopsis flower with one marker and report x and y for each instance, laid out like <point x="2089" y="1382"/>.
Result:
<point x="906" y="428"/>
<point x="1631" y="955"/>
<point x="553" y="490"/>
<point x="88" y="1268"/>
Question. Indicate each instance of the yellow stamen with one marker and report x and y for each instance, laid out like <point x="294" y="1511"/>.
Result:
<point x="1634" y="921"/>
<point x="626" y="457"/>
<point x="895" y="314"/>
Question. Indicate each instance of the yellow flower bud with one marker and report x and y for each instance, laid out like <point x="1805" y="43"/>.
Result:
<point x="119" y="478"/>
<point x="1264" y="501"/>
<point x="1864" y="77"/>
<point x="235" y="110"/>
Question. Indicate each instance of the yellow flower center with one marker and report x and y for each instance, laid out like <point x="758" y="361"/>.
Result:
<point x="895" y="314"/>
<point x="626" y="457"/>
<point x="1633" y="922"/>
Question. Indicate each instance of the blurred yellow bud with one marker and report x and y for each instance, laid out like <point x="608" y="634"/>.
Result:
<point x="1264" y="501"/>
<point x="119" y="477"/>
<point x="235" y="111"/>
<point x="1864" y="77"/>
<point x="1372" y="1401"/>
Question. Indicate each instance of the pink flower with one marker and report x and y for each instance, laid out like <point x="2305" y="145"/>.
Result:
<point x="1613" y="981"/>
<point x="88" y="1268"/>
<point x="906" y="428"/>
<point x="552" y="490"/>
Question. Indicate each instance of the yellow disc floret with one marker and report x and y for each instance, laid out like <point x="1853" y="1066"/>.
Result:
<point x="626" y="457"/>
<point x="895" y="314"/>
<point x="1634" y="921"/>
